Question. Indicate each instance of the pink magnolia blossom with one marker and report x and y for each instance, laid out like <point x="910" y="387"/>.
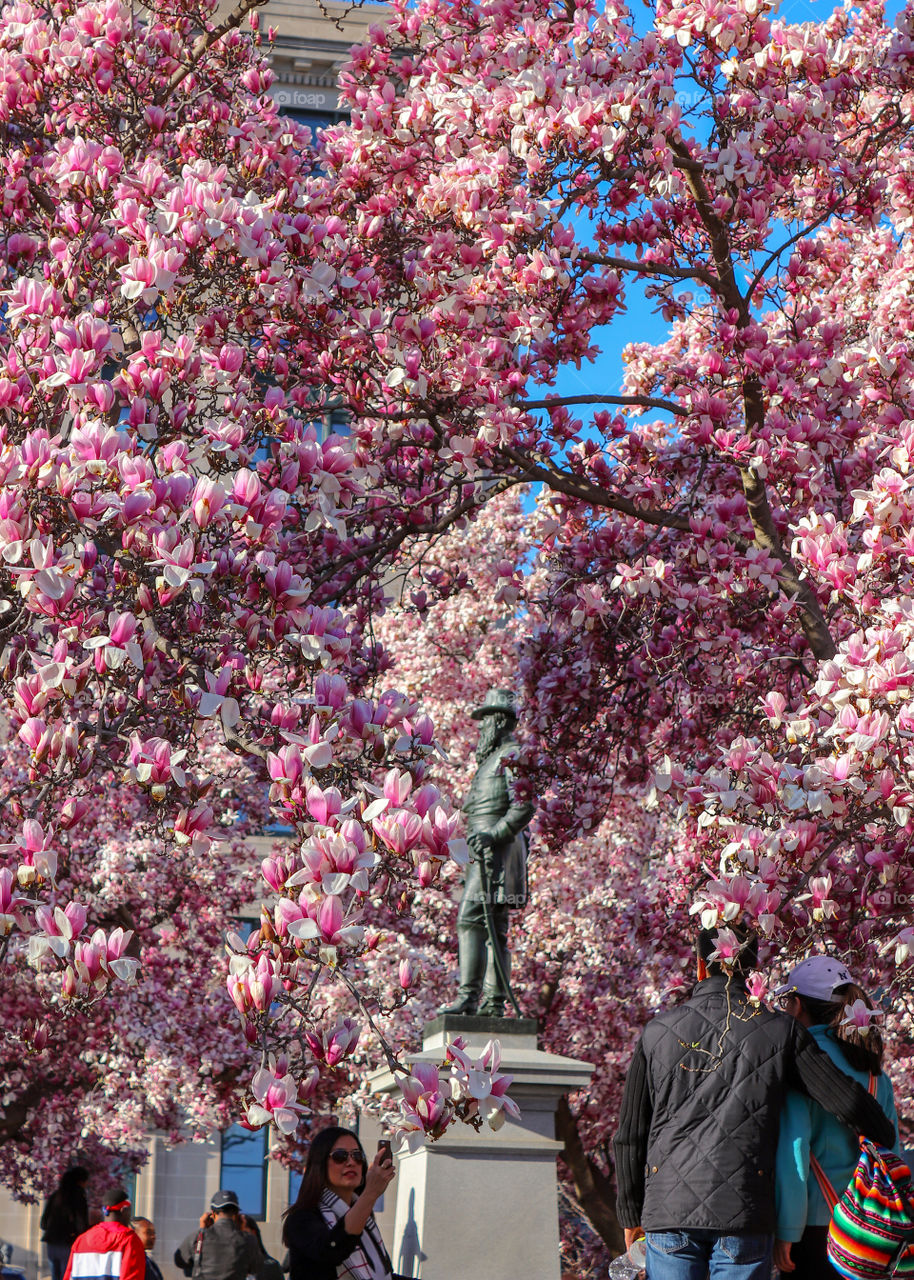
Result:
<point x="276" y="1101"/>
<point x="481" y="1080"/>
<point x="336" y="1044"/>
<point x="426" y="1102"/>
<point x="860" y="1017"/>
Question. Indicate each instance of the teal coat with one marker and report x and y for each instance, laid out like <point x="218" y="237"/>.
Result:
<point x="804" y="1126"/>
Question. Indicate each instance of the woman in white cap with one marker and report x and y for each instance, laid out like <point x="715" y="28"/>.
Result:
<point x="821" y="993"/>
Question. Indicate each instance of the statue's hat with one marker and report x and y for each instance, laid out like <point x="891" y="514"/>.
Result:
<point x="495" y="700"/>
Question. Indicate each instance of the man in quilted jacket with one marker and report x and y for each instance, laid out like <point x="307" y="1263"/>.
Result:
<point x="698" y="1125"/>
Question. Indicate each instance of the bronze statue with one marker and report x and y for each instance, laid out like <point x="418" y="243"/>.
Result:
<point x="496" y="879"/>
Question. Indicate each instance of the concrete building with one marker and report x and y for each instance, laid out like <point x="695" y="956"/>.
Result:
<point x="174" y="1187"/>
<point x="311" y="45"/>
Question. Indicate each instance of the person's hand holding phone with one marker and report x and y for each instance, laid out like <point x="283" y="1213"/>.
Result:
<point x="380" y="1172"/>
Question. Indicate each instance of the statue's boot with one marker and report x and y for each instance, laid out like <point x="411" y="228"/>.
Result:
<point x="495" y="990"/>
<point x="471" y="952"/>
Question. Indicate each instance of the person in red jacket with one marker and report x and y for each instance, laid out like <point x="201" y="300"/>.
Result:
<point x="110" y="1250"/>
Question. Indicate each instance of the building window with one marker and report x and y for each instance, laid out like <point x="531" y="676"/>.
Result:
<point x="244" y="926"/>
<point x="295" y="1177"/>
<point x="313" y="120"/>
<point x="244" y="1168"/>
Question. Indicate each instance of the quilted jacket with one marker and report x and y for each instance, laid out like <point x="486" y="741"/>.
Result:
<point x="698" y="1126"/>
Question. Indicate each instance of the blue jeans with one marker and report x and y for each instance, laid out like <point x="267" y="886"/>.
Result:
<point x="696" y="1254"/>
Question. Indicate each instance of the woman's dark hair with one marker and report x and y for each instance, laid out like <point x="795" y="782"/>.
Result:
<point x="314" y="1181"/>
<point x="863" y="1053"/>
<point x="71" y="1184"/>
<point x="250" y="1224"/>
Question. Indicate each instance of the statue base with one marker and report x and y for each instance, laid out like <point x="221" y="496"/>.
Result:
<point x="473" y="1024"/>
<point x="481" y="1204"/>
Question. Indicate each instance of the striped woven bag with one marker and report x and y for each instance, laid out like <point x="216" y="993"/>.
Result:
<point x="871" y="1233"/>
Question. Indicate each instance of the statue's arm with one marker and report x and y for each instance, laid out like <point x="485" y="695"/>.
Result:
<point x="517" y="817"/>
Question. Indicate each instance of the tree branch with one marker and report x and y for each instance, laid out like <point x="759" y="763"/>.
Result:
<point x="773" y="257"/>
<point x="646" y="402"/>
<point x="725" y="284"/>
<point x="244" y="745"/>
<point x="42" y="199"/>
<point x="392" y="542"/>
<point x="205" y="42"/>
<point x="593" y="1188"/>
<point x="767" y="537"/>
<point x="586" y="491"/>
<point x="653" y="269"/>
<point x="812" y="619"/>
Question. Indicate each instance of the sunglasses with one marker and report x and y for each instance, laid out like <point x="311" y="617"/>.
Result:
<point x="341" y="1157"/>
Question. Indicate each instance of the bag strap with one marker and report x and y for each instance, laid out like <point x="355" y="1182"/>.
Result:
<point x="828" y="1191"/>
<point x="829" y="1194"/>
<point x="198" y="1254"/>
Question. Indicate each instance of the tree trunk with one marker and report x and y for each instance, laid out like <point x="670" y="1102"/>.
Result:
<point x="594" y="1189"/>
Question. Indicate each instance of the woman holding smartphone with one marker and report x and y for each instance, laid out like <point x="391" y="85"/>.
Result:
<point x="329" y="1230"/>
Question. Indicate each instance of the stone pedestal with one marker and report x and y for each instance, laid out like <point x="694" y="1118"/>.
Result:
<point x="483" y="1205"/>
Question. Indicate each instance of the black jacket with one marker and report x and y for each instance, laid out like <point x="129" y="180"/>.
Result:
<point x="65" y="1219"/>
<point x="226" y="1252"/>
<point x="698" y="1126"/>
<point x="316" y="1250"/>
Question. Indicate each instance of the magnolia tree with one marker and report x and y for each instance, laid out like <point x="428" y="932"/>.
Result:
<point x="718" y="616"/>
<point x="187" y="560"/>
<point x="721" y="605"/>
<point x="162" y="1052"/>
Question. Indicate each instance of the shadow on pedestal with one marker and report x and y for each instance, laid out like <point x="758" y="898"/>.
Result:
<point x="484" y="1204"/>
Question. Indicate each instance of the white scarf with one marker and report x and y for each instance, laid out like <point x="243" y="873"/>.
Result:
<point x="362" y="1264"/>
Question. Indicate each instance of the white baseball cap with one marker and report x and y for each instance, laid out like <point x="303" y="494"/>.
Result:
<point x="817" y="977"/>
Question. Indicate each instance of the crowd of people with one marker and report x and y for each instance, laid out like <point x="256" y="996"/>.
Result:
<point x="734" y="1117"/>
<point x="736" y="1120"/>
<point x="328" y="1231"/>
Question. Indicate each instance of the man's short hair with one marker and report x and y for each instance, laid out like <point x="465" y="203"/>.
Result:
<point x="118" y="1205"/>
<point x="745" y="962"/>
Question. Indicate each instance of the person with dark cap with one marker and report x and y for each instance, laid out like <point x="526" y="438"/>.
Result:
<point x="109" y="1249"/>
<point x="220" y="1250"/>
<point x="698" y="1124"/>
<point x="496" y="879"/>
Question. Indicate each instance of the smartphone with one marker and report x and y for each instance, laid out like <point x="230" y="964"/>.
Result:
<point x="384" y="1145"/>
